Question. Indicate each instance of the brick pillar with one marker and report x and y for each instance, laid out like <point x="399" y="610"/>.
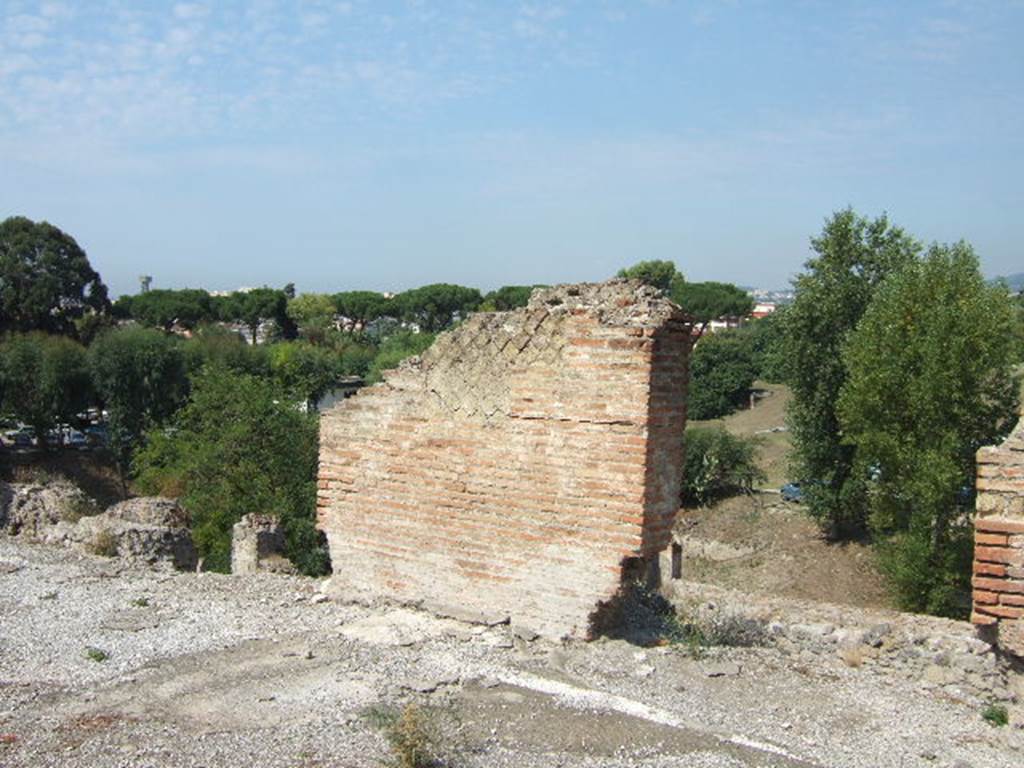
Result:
<point x="999" y="542"/>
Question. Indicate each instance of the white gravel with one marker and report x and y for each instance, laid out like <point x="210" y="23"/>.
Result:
<point x="211" y="670"/>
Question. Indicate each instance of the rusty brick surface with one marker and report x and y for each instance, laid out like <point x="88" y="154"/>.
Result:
<point x="513" y="467"/>
<point x="999" y="528"/>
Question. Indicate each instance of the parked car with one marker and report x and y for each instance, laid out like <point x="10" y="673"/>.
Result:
<point x="96" y="435"/>
<point x="792" y="492"/>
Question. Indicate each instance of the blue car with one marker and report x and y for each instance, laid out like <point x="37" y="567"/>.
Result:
<point x="792" y="492"/>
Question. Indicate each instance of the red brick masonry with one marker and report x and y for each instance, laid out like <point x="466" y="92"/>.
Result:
<point x="514" y="467"/>
<point x="999" y="542"/>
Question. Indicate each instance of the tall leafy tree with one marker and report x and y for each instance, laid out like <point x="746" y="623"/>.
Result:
<point x="45" y="380"/>
<point x="928" y="382"/>
<point x="239" y="446"/>
<point x="46" y="281"/>
<point x="853" y="257"/>
<point x="140" y="376"/>
<point x="435" y="307"/>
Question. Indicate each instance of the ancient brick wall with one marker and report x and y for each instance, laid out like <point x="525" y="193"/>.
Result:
<point x="514" y="467"/>
<point x="999" y="542"/>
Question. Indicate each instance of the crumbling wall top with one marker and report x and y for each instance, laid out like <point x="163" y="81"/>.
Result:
<point x="618" y="302"/>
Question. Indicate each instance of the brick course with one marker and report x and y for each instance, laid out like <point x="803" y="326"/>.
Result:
<point x="517" y="464"/>
<point x="998" y="532"/>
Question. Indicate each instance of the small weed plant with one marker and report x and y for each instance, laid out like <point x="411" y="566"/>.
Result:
<point x="141" y="602"/>
<point x="96" y="654"/>
<point x="413" y="736"/>
<point x="995" y="715"/>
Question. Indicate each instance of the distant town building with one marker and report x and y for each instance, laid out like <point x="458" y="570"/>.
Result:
<point x="763" y="309"/>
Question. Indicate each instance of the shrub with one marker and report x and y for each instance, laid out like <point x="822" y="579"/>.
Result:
<point x="239" y="446"/>
<point x="96" y="654"/>
<point x="996" y="715"/>
<point x="413" y="736"/>
<point x="395" y="349"/>
<point x="718" y="464"/>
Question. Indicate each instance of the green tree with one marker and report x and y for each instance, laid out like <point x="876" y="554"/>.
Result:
<point x="710" y="301"/>
<point x="140" y="377"/>
<point x="663" y="275"/>
<point x="162" y="308"/>
<point x="722" y="371"/>
<point x="313" y="313"/>
<point x="45" y="380"/>
<point x="853" y="257"/>
<point x="929" y="382"/>
<point x="435" y="307"/>
<point x="764" y="337"/>
<point x="238" y="446"/>
<point x="217" y="345"/>
<point x="46" y="281"/>
<point x="508" y="297"/>
<point x="303" y="370"/>
<point x="362" y="307"/>
<point x="395" y="349"/>
<point x="253" y="307"/>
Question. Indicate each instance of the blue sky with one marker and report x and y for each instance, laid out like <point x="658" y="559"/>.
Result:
<point x="389" y="144"/>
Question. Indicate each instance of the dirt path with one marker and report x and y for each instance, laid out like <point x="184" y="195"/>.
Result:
<point x="220" y="671"/>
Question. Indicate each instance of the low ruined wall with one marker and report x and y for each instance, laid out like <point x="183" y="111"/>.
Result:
<point x="514" y="468"/>
<point x="257" y="544"/>
<point x="999" y="542"/>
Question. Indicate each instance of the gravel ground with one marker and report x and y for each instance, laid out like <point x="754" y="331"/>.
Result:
<point x="210" y="670"/>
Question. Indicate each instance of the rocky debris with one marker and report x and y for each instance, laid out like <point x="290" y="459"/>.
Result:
<point x="149" y="530"/>
<point x="931" y="653"/>
<point x="30" y="509"/>
<point x="152" y="511"/>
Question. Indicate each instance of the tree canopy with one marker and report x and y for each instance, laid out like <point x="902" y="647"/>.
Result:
<point x="163" y="308"/>
<point x="140" y="376"/>
<point x="660" y="274"/>
<point x="710" y="301"/>
<point x="253" y="307"/>
<point x="46" y="281"/>
<point x="435" y="307"/>
<point x="508" y="297"/>
<point x="722" y="370"/>
<point x="929" y="382"/>
<point x="361" y="307"/>
<point x="44" y="380"/>
<point x="853" y="256"/>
